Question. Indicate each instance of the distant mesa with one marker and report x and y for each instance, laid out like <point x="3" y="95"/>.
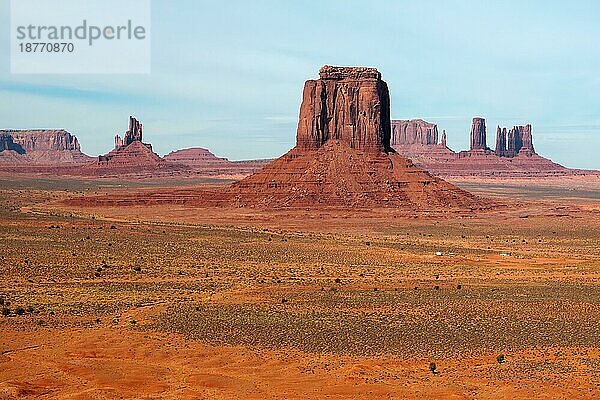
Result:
<point x="41" y="147"/>
<point x="204" y="163"/>
<point x="414" y="131"/>
<point x="514" y="154"/>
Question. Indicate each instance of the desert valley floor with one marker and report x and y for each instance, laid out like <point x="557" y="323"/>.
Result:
<point x="180" y="302"/>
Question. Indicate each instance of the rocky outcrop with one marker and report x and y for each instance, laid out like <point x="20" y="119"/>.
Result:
<point x="7" y="143"/>
<point x="40" y="147"/>
<point x="43" y="140"/>
<point x="444" y="144"/>
<point x="347" y="104"/>
<point x="414" y="131"/>
<point x="513" y="156"/>
<point x="517" y="141"/>
<point x="204" y="163"/>
<point x="132" y="158"/>
<point x="478" y="134"/>
<point x="342" y="156"/>
<point x="500" y="142"/>
<point x="133" y="134"/>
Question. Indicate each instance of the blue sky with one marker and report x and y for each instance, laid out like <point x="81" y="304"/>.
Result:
<point x="229" y="75"/>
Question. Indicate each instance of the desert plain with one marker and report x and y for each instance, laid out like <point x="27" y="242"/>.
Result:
<point x="176" y="301"/>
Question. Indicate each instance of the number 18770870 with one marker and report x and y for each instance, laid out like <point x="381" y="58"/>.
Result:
<point x="46" y="47"/>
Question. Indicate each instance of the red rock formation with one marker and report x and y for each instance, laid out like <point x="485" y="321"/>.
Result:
<point x="444" y="144"/>
<point x="414" y="131"/>
<point x="526" y="140"/>
<point x="131" y="158"/>
<point x="478" y="134"/>
<point x="134" y="133"/>
<point x="40" y="147"/>
<point x="517" y="141"/>
<point x="347" y="104"/>
<point x="513" y="157"/>
<point x="500" y="141"/>
<point x="204" y="163"/>
<point x="342" y="156"/>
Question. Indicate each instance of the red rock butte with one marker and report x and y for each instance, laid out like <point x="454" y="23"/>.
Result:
<point x="343" y="157"/>
<point x="514" y="155"/>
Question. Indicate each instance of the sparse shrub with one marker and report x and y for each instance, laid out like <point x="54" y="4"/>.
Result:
<point x="368" y="243"/>
<point x="284" y="300"/>
<point x="501" y="359"/>
<point x="1" y="300"/>
<point x="30" y="310"/>
<point x="338" y="280"/>
<point x="6" y="311"/>
<point x="113" y="227"/>
<point x="137" y="268"/>
<point x="20" y="311"/>
<point x="433" y="368"/>
<point x="459" y="286"/>
<point x="436" y="287"/>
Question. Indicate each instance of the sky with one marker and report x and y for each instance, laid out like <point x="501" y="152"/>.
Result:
<point x="228" y="75"/>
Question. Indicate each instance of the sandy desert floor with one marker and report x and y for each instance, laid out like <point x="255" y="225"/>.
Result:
<point x="177" y="302"/>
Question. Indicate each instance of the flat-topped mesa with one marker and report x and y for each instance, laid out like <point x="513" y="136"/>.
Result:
<point x="478" y="134"/>
<point x="43" y="139"/>
<point x="349" y="104"/>
<point x="413" y="131"/>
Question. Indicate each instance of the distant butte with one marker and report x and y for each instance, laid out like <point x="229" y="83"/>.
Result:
<point x="514" y="155"/>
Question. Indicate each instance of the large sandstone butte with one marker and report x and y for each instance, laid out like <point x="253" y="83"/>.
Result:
<point x="40" y="147"/>
<point x="351" y="105"/>
<point x="343" y="156"/>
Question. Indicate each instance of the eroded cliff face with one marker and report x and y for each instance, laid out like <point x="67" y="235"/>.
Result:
<point x="42" y="139"/>
<point x="349" y="104"/>
<point x="413" y="131"/>
<point x="517" y="141"/>
<point x="40" y="147"/>
<point x="478" y="134"/>
<point x="343" y="158"/>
